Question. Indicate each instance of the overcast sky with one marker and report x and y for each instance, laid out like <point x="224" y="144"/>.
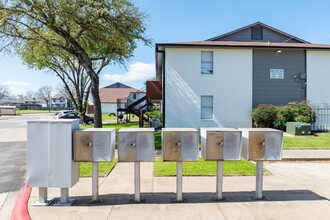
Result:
<point x="180" y="21"/>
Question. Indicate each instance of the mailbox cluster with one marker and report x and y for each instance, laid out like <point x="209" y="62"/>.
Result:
<point x="52" y="159"/>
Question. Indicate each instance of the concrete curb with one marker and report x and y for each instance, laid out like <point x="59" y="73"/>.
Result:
<point x="305" y="159"/>
<point x="20" y="210"/>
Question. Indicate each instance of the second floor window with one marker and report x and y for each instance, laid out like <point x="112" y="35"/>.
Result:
<point x="207" y="62"/>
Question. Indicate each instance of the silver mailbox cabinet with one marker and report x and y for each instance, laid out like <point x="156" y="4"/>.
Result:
<point x="262" y="144"/>
<point x="219" y="144"/>
<point x="136" y="144"/>
<point x="180" y="144"/>
<point x="94" y="145"/>
<point x="49" y="161"/>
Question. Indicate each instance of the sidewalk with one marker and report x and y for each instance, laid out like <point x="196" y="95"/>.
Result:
<point x="306" y="155"/>
<point x="285" y="198"/>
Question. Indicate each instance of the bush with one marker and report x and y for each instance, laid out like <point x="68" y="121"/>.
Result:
<point x="264" y="116"/>
<point x="155" y="113"/>
<point x="284" y="114"/>
<point x="276" y="117"/>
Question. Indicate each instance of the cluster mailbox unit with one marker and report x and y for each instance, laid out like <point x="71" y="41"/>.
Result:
<point x="94" y="145"/>
<point x="49" y="161"/>
<point x="136" y="145"/>
<point x="221" y="144"/>
<point x="261" y="144"/>
<point x="180" y="144"/>
<point x="55" y="148"/>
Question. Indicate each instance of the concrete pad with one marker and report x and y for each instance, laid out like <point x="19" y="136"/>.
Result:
<point x="306" y="154"/>
<point x="8" y="205"/>
<point x="3" y="197"/>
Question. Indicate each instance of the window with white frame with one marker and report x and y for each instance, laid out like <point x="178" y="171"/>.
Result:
<point x="207" y="62"/>
<point x="206" y="107"/>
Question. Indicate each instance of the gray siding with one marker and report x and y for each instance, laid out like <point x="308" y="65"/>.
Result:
<point x="278" y="91"/>
<point x="268" y="35"/>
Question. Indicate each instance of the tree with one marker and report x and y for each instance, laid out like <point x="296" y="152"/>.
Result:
<point x="96" y="33"/>
<point x="30" y="94"/>
<point x="4" y="92"/>
<point x="45" y="93"/>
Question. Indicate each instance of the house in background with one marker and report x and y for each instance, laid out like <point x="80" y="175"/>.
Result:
<point x="217" y="82"/>
<point x="115" y="96"/>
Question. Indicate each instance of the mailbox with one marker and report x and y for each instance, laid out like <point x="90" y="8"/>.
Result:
<point x="49" y="161"/>
<point x="136" y="144"/>
<point x="219" y="144"/>
<point x="94" y="145"/>
<point x="180" y="144"/>
<point x="262" y="144"/>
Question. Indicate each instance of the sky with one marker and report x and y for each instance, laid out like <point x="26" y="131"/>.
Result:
<point x="172" y="21"/>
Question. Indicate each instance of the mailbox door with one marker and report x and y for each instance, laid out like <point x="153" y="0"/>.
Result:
<point x="145" y="146"/>
<point x="232" y="146"/>
<point x="273" y="149"/>
<point x="126" y="146"/>
<point x="189" y="146"/>
<point x="101" y="146"/>
<point x="214" y="145"/>
<point x="257" y="145"/>
<point x="83" y="146"/>
<point x="172" y="151"/>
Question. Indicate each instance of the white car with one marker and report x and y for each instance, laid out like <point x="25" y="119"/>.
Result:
<point x="62" y="112"/>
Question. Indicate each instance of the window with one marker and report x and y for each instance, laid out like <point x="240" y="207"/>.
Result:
<point x="256" y="33"/>
<point x="207" y="107"/>
<point x="134" y="95"/>
<point x="207" y="62"/>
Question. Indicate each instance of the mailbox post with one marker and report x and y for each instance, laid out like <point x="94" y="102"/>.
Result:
<point x="178" y="145"/>
<point x="136" y="145"/>
<point x="261" y="144"/>
<point x="221" y="144"/>
<point x="49" y="160"/>
<point x="94" y="145"/>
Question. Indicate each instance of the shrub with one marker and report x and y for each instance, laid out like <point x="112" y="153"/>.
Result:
<point x="284" y="114"/>
<point x="305" y="113"/>
<point x="277" y="117"/>
<point x="264" y="116"/>
<point x="155" y="113"/>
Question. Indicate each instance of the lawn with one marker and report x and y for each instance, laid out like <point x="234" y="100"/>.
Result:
<point x="85" y="168"/>
<point x="117" y="126"/>
<point x="34" y="111"/>
<point x="206" y="168"/>
<point x="322" y="140"/>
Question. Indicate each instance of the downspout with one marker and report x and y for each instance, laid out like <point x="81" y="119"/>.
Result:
<point x="163" y="82"/>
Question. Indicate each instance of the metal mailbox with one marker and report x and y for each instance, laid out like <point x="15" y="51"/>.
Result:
<point x="136" y="144"/>
<point x="262" y="144"/>
<point x="180" y="144"/>
<point x="49" y="161"/>
<point x="219" y="144"/>
<point x="94" y="145"/>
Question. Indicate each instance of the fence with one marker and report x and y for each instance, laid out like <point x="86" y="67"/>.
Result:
<point x="323" y="118"/>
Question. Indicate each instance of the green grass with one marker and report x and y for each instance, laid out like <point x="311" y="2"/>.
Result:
<point x="206" y="168"/>
<point x="34" y="111"/>
<point x="85" y="168"/>
<point x="321" y="140"/>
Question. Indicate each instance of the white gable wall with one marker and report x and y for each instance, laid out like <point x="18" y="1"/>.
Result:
<point x="230" y="86"/>
<point x="318" y="76"/>
<point x="108" y="107"/>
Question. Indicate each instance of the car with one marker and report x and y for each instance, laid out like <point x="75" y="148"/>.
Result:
<point x="74" y="115"/>
<point x="62" y="112"/>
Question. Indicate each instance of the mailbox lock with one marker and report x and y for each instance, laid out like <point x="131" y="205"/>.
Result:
<point x="221" y="143"/>
<point x="263" y="143"/>
<point x="178" y="144"/>
<point x="133" y="144"/>
<point x="90" y="144"/>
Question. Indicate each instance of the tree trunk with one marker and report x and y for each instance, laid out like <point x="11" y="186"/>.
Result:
<point x="82" y="116"/>
<point x="97" y="102"/>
